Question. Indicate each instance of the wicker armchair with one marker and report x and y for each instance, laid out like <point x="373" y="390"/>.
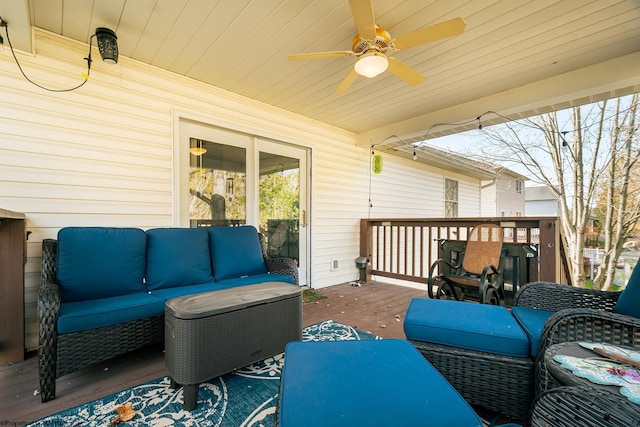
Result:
<point x="579" y="315"/>
<point x="557" y="313"/>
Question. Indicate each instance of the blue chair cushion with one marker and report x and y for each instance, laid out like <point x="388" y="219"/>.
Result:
<point x="256" y="278"/>
<point x="179" y="291"/>
<point x="177" y="257"/>
<point x="366" y="383"/>
<point x="480" y="327"/>
<point x="84" y="315"/>
<point x="235" y="252"/>
<point x="629" y="300"/>
<point x="531" y="321"/>
<point x="100" y="262"/>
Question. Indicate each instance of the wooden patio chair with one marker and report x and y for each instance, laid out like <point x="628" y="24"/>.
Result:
<point x="479" y="269"/>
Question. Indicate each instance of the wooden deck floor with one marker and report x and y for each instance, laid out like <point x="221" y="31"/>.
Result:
<point x="378" y="308"/>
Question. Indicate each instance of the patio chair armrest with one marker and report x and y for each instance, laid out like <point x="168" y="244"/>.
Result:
<point x="584" y="324"/>
<point x="554" y="296"/>
<point x="437" y="262"/>
<point x="285" y="266"/>
<point x="431" y="277"/>
<point x="488" y="269"/>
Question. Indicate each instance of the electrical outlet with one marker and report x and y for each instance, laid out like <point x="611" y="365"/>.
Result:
<point x="335" y="265"/>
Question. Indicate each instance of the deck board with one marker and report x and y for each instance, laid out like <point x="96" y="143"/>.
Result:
<point x="378" y="308"/>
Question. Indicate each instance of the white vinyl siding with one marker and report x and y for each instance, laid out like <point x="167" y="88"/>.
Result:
<point x="103" y="155"/>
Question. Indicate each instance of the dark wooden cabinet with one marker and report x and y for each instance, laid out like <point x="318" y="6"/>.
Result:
<point x="12" y="260"/>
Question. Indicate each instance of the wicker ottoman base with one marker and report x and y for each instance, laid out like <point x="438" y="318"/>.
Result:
<point x="213" y="333"/>
<point x="492" y="381"/>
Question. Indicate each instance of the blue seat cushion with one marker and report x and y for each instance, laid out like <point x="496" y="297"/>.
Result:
<point x="366" y="383"/>
<point x="91" y="314"/>
<point x="100" y="262"/>
<point x="179" y="291"/>
<point x="235" y="252"/>
<point x="256" y="278"/>
<point x="531" y="321"/>
<point x="480" y="327"/>
<point x="177" y="257"/>
<point x="629" y="300"/>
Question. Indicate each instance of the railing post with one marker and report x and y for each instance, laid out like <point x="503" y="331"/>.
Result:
<point x="365" y="249"/>
<point x="549" y="247"/>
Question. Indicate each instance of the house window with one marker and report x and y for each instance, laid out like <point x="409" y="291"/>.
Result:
<point x="450" y="198"/>
<point x="519" y="186"/>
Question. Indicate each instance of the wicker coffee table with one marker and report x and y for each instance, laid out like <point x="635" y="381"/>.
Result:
<point x="214" y="333"/>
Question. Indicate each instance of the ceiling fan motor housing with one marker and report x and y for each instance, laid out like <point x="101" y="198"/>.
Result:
<point x="381" y="42"/>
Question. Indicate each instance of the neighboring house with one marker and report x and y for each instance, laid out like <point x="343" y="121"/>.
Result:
<point x="116" y="153"/>
<point x="502" y="190"/>
<point x="540" y="201"/>
<point x="504" y="195"/>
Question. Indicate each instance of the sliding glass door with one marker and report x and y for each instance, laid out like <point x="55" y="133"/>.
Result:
<point x="236" y="179"/>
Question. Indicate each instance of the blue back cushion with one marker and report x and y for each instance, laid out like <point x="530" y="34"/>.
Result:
<point x="177" y="257"/>
<point x="235" y="252"/>
<point x="629" y="301"/>
<point x="100" y="262"/>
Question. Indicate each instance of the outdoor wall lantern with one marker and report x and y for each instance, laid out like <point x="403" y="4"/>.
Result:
<point x="107" y="45"/>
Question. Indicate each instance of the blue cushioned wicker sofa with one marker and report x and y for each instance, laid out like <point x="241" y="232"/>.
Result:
<point x="104" y="289"/>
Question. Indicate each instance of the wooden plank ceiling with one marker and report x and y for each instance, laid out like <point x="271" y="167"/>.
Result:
<point x="242" y="46"/>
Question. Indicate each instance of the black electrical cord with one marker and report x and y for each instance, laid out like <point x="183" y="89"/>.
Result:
<point x="4" y="24"/>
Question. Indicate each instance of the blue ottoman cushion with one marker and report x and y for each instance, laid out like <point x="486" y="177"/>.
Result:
<point x="531" y="321"/>
<point x="366" y="383"/>
<point x="480" y="327"/>
<point x="100" y="262"/>
<point x="177" y="257"/>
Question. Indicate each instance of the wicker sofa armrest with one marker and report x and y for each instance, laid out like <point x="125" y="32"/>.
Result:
<point x="48" y="309"/>
<point x="553" y="297"/>
<point x="584" y="324"/>
<point x="286" y="266"/>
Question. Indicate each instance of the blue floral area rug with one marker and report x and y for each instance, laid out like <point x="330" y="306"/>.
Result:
<point x="246" y="397"/>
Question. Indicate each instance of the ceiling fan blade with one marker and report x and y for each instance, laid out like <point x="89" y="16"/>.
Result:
<point x="404" y="72"/>
<point x="362" y="12"/>
<point x="316" y="55"/>
<point x="347" y="82"/>
<point x="431" y="33"/>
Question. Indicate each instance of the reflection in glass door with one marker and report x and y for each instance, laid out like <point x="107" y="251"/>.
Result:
<point x="279" y="205"/>
<point x="217" y="184"/>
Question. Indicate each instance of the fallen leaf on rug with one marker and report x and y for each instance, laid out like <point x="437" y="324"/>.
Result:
<point x="125" y="413"/>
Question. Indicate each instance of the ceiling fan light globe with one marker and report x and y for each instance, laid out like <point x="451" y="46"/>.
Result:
<point x="371" y="64"/>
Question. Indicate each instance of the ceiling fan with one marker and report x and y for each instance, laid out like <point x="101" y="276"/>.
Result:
<point x="372" y="44"/>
